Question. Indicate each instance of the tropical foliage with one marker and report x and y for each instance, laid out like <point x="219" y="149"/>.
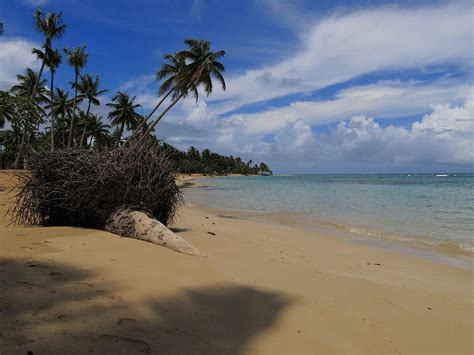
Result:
<point x="210" y="163"/>
<point x="37" y="115"/>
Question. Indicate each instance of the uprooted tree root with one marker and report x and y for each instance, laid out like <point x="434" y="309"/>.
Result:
<point x="87" y="189"/>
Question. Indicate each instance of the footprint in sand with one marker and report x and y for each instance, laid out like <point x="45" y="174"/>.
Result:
<point x="126" y="321"/>
<point x="87" y="284"/>
<point x="115" y="298"/>
<point x="175" y="331"/>
<point x="57" y="276"/>
<point x="41" y="311"/>
<point x="30" y="287"/>
<point x="46" y="312"/>
<point x="129" y="344"/>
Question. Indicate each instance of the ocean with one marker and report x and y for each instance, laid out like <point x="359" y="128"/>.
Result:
<point x="436" y="209"/>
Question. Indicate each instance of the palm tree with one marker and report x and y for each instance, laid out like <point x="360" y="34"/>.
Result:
<point x="89" y="88"/>
<point x="52" y="60"/>
<point x="62" y="104"/>
<point x="62" y="107"/>
<point x="193" y="153"/>
<point x="123" y="113"/>
<point x="26" y="84"/>
<point x="26" y="89"/>
<point x="171" y="71"/>
<point x="50" y="26"/>
<point x="28" y="114"/>
<point x="202" y="68"/>
<point x="7" y="109"/>
<point x="76" y="58"/>
<point x="98" y="131"/>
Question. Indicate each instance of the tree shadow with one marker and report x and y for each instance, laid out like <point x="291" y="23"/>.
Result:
<point x="48" y="308"/>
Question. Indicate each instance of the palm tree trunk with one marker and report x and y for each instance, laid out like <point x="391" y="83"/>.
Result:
<point x="121" y="134"/>
<point x="19" y="156"/>
<point x="149" y="115"/>
<point x="33" y="92"/>
<point x="17" y="162"/>
<point x="52" y="110"/>
<point x="71" y="125"/>
<point x="160" y="117"/>
<point x="85" y="124"/>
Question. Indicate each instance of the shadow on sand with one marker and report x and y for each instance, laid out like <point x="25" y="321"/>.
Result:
<point x="46" y="308"/>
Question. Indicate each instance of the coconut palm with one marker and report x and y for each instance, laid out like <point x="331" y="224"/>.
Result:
<point x="89" y="88"/>
<point x="50" y="26"/>
<point x="26" y="89"/>
<point x="204" y="64"/>
<point x="171" y="71"/>
<point x="98" y="131"/>
<point x="7" y="110"/>
<point x="201" y="67"/>
<point x="52" y="60"/>
<point x="62" y="129"/>
<point x="193" y="153"/>
<point x="26" y="84"/>
<point x="28" y="115"/>
<point x="76" y="58"/>
<point x="62" y="104"/>
<point x="123" y="113"/>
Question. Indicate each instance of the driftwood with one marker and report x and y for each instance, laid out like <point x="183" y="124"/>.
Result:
<point x="138" y="225"/>
<point x="94" y="189"/>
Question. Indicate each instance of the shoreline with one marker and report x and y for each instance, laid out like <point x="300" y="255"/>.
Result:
<point x="445" y="251"/>
<point x="262" y="289"/>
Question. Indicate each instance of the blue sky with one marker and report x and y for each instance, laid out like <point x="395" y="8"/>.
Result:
<point x="313" y="86"/>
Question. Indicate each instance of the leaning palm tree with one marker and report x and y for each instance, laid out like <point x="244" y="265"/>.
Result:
<point x="52" y="60"/>
<point x="89" y="88"/>
<point x="76" y="58"/>
<point x="202" y="66"/>
<point x="50" y="26"/>
<point x="172" y="72"/>
<point x="123" y="113"/>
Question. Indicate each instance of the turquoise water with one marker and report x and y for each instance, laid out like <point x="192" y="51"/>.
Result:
<point x="424" y="207"/>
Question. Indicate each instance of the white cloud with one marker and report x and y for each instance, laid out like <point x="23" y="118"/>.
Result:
<point x="334" y="50"/>
<point x="445" y="136"/>
<point x="387" y="99"/>
<point x="15" y="57"/>
<point x="343" y="47"/>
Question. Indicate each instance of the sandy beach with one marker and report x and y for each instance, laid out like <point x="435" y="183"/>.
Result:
<point x="261" y="289"/>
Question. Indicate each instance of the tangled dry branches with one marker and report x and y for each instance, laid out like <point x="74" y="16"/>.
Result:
<point x="83" y="188"/>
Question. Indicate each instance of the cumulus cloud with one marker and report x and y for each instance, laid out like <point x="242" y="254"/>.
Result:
<point x="15" y="57"/>
<point x="444" y="136"/>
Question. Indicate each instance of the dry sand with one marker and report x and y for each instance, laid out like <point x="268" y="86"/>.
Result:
<point x="261" y="289"/>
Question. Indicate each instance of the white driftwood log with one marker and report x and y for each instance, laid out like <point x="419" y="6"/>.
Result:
<point x="138" y="225"/>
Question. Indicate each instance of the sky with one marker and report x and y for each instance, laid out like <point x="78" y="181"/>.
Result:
<point x="312" y="86"/>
